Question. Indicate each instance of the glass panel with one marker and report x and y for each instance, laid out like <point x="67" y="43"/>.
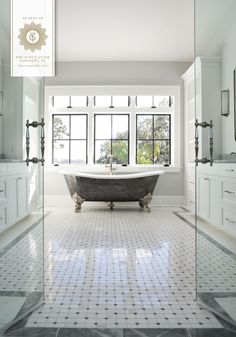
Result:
<point x="144" y="101"/>
<point x="145" y="152"/>
<point x="78" y="127"/>
<point x="78" y="152"/>
<point x="120" y="151"/>
<point x="61" y="127"/>
<point x="144" y="126"/>
<point x="61" y="152"/>
<point x="102" y="101"/>
<point x="102" y="127"/>
<point x="120" y="127"/>
<point x="216" y="184"/>
<point x="120" y="101"/>
<point x="21" y="193"/>
<point x="102" y="151"/>
<point x="61" y="102"/>
<point x="161" y="152"/>
<point x="161" y="127"/>
<point x="79" y="101"/>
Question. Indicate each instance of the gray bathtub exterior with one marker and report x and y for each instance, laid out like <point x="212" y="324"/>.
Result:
<point x="111" y="190"/>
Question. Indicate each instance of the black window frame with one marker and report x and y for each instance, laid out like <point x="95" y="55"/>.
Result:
<point x="152" y="139"/>
<point x="110" y="139"/>
<point x="69" y="139"/>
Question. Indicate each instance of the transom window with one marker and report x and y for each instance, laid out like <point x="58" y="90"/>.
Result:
<point x="69" y="144"/>
<point x="111" y="137"/>
<point x="153" y="139"/>
<point x="141" y="129"/>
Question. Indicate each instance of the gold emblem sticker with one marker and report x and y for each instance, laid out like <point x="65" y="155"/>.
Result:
<point x="32" y="36"/>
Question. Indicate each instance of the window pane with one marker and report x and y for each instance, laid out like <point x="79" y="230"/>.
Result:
<point x="102" y="151"/>
<point x="61" y="101"/>
<point x="120" y="101"/>
<point x="144" y="127"/>
<point x="102" y="127"/>
<point x="120" y="151"/>
<point x="120" y="126"/>
<point x="145" y="152"/>
<point x="144" y="101"/>
<point x="61" y="127"/>
<point x="162" y="101"/>
<point x="102" y="101"/>
<point x="78" y="152"/>
<point x="78" y="127"/>
<point x="161" y="127"/>
<point x="79" y="101"/>
<point x="161" y="152"/>
<point x="61" y="152"/>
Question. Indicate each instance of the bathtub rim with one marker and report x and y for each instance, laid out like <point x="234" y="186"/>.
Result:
<point x="106" y="175"/>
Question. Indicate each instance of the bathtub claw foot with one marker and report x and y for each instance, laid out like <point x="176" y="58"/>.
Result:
<point x="78" y="202"/>
<point x="111" y="205"/>
<point x="145" y="201"/>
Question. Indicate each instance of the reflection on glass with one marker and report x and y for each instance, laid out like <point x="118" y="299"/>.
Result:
<point x="103" y="127"/>
<point x="144" y="127"/>
<point x="120" y="151"/>
<point x="61" y="152"/>
<point x="145" y="152"/>
<point x="161" y="127"/>
<point x="102" y="151"/>
<point x="161" y="152"/>
<point x="120" y="126"/>
<point x="78" y="152"/>
<point x="61" y="127"/>
<point x="78" y="127"/>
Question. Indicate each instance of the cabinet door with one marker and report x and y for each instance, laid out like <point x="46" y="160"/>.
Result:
<point x="204" y="197"/>
<point x="215" y="201"/>
<point x="22" y="206"/>
<point x="12" y="207"/>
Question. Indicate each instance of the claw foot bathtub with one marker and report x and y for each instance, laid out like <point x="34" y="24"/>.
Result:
<point x="116" y="187"/>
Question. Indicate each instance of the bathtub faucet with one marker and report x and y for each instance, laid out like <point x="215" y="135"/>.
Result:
<point x="110" y="165"/>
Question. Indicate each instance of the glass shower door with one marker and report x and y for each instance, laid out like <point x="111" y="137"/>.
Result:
<point x="21" y="187"/>
<point x="215" y="63"/>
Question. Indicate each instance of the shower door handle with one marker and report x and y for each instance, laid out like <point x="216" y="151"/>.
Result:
<point x="35" y="160"/>
<point x="204" y="125"/>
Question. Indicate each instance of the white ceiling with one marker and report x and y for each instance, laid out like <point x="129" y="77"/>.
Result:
<point x="126" y="30"/>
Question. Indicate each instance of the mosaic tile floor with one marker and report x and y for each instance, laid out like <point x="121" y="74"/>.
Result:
<point x="123" y="269"/>
<point x="119" y="269"/>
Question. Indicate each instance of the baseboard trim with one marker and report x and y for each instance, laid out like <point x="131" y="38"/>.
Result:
<point x="65" y="201"/>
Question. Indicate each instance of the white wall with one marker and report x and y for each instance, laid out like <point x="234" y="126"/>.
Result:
<point x="123" y="73"/>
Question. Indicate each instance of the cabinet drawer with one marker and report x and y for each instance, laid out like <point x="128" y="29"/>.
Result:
<point x="229" y="218"/>
<point x="2" y="217"/>
<point x="228" y="170"/>
<point x="229" y="191"/>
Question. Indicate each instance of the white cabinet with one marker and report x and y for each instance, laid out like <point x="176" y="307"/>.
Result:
<point x="202" y="89"/>
<point x="14" y="194"/>
<point x="216" y="190"/>
<point x="22" y="196"/>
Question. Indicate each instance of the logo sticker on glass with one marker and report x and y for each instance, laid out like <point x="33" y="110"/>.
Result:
<point x="33" y="38"/>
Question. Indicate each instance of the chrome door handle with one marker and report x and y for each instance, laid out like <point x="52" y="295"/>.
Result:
<point x="35" y="160"/>
<point x="211" y="143"/>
